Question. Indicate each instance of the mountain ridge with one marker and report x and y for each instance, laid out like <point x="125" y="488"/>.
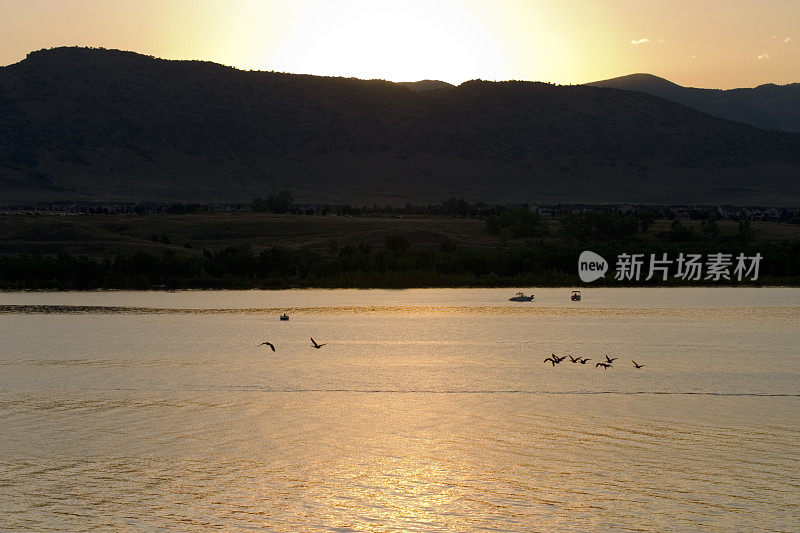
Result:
<point x="426" y="85"/>
<point x="103" y="125"/>
<point x="767" y="106"/>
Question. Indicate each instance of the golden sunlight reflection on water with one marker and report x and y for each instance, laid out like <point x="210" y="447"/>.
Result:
<point x="698" y="313"/>
<point x="413" y="417"/>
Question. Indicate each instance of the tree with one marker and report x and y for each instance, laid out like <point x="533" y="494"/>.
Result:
<point x="280" y="203"/>
<point x="679" y="232"/>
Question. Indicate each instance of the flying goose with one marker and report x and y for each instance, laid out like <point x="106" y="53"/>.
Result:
<point x="318" y="346"/>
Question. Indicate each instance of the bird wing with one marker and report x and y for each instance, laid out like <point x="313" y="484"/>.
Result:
<point x="271" y="346"/>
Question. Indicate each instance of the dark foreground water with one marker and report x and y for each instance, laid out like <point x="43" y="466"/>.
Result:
<point x="427" y="410"/>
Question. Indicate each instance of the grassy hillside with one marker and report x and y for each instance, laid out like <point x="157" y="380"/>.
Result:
<point x="99" y="235"/>
<point x="109" y="234"/>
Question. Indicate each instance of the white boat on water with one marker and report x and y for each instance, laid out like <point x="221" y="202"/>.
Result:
<point x="520" y="297"/>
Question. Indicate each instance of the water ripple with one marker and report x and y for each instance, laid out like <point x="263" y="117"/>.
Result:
<point x="729" y="313"/>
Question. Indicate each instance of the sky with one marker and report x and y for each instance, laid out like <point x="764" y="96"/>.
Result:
<point x="701" y="43"/>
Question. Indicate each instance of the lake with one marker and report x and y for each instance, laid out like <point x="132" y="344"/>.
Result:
<point x="426" y="410"/>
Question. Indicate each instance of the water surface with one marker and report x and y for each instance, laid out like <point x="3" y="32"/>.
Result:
<point x="427" y="410"/>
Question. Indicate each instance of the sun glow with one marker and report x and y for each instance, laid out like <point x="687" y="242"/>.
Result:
<point x="564" y="41"/>
<point x="397" y="41"/>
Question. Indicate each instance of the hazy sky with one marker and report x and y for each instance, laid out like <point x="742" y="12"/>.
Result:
<point x="701" y="43"/>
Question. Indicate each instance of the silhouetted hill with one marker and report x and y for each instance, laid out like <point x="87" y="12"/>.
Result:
<point x="426" y="85"/>
<point x="101" y="125"/>
<point x="770" y="106"/>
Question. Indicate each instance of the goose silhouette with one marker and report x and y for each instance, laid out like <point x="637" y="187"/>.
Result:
<point x="317" y="346"/>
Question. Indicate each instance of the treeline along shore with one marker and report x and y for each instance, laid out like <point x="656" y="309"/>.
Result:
<point x="497" y="247"/>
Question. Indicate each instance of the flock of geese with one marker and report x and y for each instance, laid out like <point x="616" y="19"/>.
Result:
<point x="608" y="363"/>
<point x="553" y="359"/>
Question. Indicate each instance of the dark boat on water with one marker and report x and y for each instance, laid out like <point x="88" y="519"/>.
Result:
<point x="520" y="297"/>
